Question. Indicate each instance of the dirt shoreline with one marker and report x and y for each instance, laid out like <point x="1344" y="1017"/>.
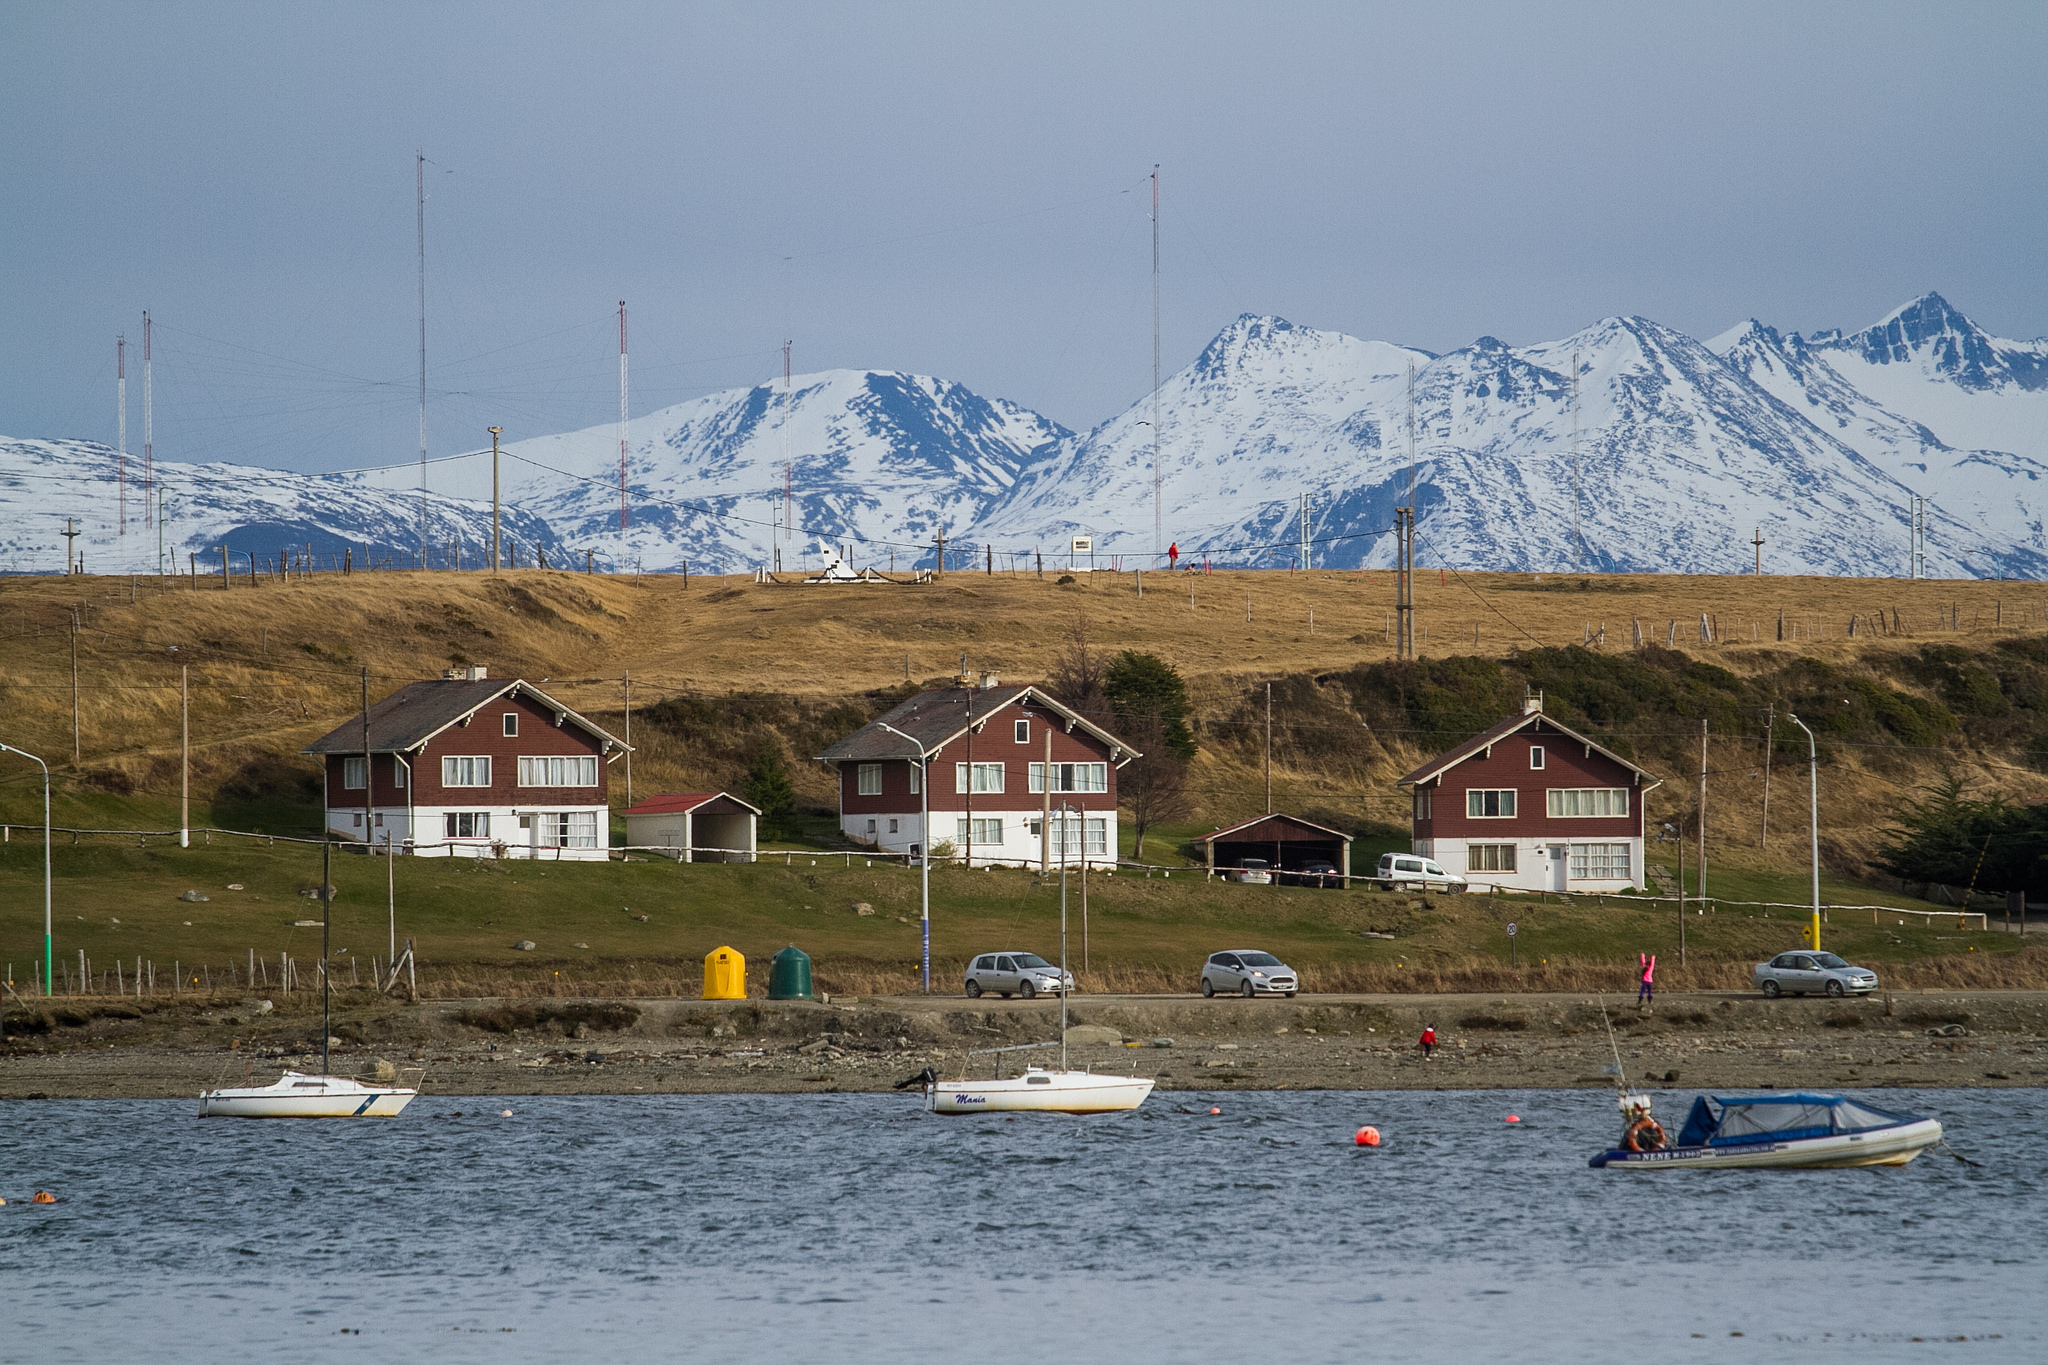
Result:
<point x="116" y="1049"/>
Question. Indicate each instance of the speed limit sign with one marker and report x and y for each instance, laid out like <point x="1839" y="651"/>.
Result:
<point x="1511" y="931"/>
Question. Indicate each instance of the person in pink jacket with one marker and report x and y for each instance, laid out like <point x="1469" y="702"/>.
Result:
<point x="1646" y="994"/>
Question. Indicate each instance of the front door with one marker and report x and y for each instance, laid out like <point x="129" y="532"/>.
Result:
<point x="1560" y="866"/>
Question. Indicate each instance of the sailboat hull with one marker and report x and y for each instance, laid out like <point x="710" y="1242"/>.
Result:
<point x="1039" y="1092"/>
<point x="297" y="1096"/>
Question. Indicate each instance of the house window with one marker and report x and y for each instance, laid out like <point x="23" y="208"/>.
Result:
<point x="868" y="779"/>
<point x="556" y="772"/>
<point x="356" y="820"/>
<point x="989" y="831"/>
<point x="466" y="824"/>
<point x="511" y="724"/>
<point x="916" y="778"/>
<point x="1087" y="837"/>
<point x="1070" y="777"/>
<point x="1566" y="802"/>
<point x="1425" y="802"/>
<point x="400" y="774"/>
<point x="871" y="829"/>
<point x="465" y="772"/>
<point x="1489" y="857"/>
<point x="1490" y="803"/>
<point x="352" y="771"/>
<point x="1535" y="755"/>
<point x="988" y="777"/>
<point x="567" y="828"/>
<point x="1600" y="862"/>
<point x="1022" y="730"/>
<point x="895" y="826"/>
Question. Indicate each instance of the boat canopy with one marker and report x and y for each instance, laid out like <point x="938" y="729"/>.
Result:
<point x="1716" y="1121"/>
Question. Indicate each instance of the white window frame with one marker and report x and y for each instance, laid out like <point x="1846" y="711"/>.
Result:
<point x="1504" y="803"/>
<point x="1536" y="757"/>
<point x="916" y="778"/>
<point x="1582" y="803"/>
<point x="1425" y="803"/>
<point x="452" y="770"/>
<point x="1084" y="836"/>
<point x="1021" y="730"/>
<point x="983" y="772"/>
<point x="480" y="824"/>
<point x="401" y="772"/>
<point x="567" y="828"/>
<point x="867" y="779"/>
<point x="1502" y="856"/>
<point x="355" y="772"/>
<point x="510" y="725"/>
<point x="1068" y="777"/>
<point x="584" y="767"/>
<point x="1600" y="862"/>
<point x="988" y="830"/>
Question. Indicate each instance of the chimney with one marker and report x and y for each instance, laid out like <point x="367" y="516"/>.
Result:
<point x="470" y="673"/>
<point x="989" y="680"/>
<point x="1532" y="701"/>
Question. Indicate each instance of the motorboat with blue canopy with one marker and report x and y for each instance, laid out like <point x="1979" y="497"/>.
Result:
<point x="1754" y="1131"/>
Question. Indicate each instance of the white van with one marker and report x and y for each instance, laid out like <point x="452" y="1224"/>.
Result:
<point x="1415" y="872"/>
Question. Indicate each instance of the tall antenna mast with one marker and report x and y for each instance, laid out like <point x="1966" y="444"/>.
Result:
<point x="622" y="414"/>
<point x="1578" y="541"/>
<point x="1158" y="516"/>
<point x="1411" y="434"/>
<point x="121" y="405"/>
<point x="788" y="466"/>
<point x="149" y="509"/>
<point x="420" y="214"/>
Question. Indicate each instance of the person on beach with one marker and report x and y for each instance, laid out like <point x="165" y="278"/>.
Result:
<point x="1646" y="993"/>
<point x="1427" y="1042"/>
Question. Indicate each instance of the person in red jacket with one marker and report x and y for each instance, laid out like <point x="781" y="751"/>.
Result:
<point x="1646" y="994"/>
<point x="1427" y="1042"/>
<point x="1173" y="556"/>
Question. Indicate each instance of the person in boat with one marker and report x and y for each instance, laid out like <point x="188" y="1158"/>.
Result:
<point x="1647" y="992"/>
<point x="1427" y="1042"/>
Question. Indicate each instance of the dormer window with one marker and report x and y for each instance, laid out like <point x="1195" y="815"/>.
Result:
<point x="1535" y="755"/>
<point x="512" y="726"/>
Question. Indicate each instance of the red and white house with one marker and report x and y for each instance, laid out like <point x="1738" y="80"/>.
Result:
<point x="1532" y="805"/>
<point x="471" y="766"/>
<point x="998" y="756"/>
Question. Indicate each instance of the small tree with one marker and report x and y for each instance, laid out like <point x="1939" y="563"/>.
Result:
<point x="1144" y="687"/>
<point x="767" y="787"/>
<point x="1154" y="789"/>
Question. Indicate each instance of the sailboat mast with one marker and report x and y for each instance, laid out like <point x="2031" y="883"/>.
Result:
<point x="420" y="216"/>
<point x="1064" y="811"/>
<point x="326" y="927"/>
<point x="1158" y="516"/>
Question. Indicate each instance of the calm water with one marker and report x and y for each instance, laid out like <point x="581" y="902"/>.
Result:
<point x="854" y="1227"/>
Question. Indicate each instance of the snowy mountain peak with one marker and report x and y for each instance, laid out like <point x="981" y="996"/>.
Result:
<point x="1933" y="335"/>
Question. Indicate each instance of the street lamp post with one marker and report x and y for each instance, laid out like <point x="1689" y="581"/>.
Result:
<point x="924" y="846"/>
<point x="49" y="957"/>
<point x="1813" y="807"/>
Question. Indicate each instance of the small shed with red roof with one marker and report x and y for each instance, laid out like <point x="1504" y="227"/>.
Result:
<point x="695" y="827"/>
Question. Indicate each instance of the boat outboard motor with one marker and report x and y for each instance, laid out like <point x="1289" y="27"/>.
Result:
<point x="926" y="1078"/>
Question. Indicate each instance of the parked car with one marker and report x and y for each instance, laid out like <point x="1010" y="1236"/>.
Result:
<point x="1254" y="870"/>
<point x="1247" y="973"/>
<point x="1801" y="973"/>
<point x="1416" y="872"/>
<point x="1008" y="974"/>
<point x="1318" y="872"/>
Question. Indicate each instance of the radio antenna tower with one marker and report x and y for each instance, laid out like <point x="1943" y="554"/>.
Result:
<point x="149" y="508"/>
<point x="1578" y="540"/>
<point x="121" y="406"/>
<point x="622" y="414"/>
<point x="1411" y="434"/>
<point x="788" y="466"/>
<point x="1158" y="516"/>
<point x="420" y="218"/>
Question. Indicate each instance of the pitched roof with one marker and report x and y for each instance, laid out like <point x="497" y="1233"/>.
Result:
<point x="682" y="803"/>
<point x="1452" y="757"/>
<point x="418" y="711"/>
<point x="1242" y="825"/>
<point x="935" y="718"/>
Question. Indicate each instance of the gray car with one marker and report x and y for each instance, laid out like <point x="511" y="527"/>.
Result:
<point x="1811" y="972"/>
<point x="1008" y="974"/>
<point x="1247" y="973"/>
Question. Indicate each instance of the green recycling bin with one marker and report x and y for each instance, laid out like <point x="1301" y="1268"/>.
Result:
<point x="789" y="975"/>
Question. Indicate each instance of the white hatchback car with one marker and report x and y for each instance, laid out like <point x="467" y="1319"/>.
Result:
<point x="1416" y="872"/>
<point x="1007" y="974"/>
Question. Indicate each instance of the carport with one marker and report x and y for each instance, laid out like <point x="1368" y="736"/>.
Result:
<point x="1285" y="841"/>
<point x="695" y="827"/>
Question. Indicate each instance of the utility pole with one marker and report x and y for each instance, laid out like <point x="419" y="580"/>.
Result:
<point x="185" y="756"/>
<point x="1578" y="539"/>
<point x="121" y="408"/>
<point x="1763" y="838"/>
<point x="494" y="494"/>
<point x="420" y="210"/>
<point x="1269" y="748"/>
<point x="369" y="782"/>
<point x="1703" y="809"/>
<point x="1045" y="813"/>
<point x="1404" y="582"/>
<point x="71" y="534"/>
<point x="148" y="434"/>
<point x="626" y="681"/>
<point x="622" y="415"/>
<point x="74" y="687"/>
<point x="1759" y="552"/>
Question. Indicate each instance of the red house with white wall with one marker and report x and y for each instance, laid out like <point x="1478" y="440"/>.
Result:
<point x="990" y="749"/>
<point x="1532" y="805"/>
<point x="467" y="765"/>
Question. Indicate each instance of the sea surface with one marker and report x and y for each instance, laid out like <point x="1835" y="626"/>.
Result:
<point x="853" y="1228"/>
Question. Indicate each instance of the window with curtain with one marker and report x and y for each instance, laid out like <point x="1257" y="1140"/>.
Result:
<point x="466" y="772"/>
<point x="558" y="772"/>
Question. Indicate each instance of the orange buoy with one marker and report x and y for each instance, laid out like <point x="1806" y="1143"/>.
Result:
<point x="504" y="1113"/>
<point x="43" y="1197"/>
<point x="1367" y="1136"/>
<point x="1215" y="1110"/>
<point x="1514" y="1118"/>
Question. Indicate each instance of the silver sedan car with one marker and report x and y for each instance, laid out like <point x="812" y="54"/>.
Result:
<point x="1007" y="974"/>
<point x="1241" y="972"/>
<point x="1823" y="973"/>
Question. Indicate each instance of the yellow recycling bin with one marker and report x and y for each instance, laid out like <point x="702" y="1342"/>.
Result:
<point x="725" y="975"/>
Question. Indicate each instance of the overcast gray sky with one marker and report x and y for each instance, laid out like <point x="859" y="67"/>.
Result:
<point x="953" y="189"/>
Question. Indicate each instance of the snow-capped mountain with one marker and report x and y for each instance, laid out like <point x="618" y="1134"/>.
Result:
<point x="1681" y="456"/>
<point x="265" y="512"/>
<point x="879" y="460"/>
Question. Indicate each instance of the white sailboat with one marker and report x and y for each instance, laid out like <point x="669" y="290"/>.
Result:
<point x="295" y="1095"/>
<point x="1060" y="1090"/>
